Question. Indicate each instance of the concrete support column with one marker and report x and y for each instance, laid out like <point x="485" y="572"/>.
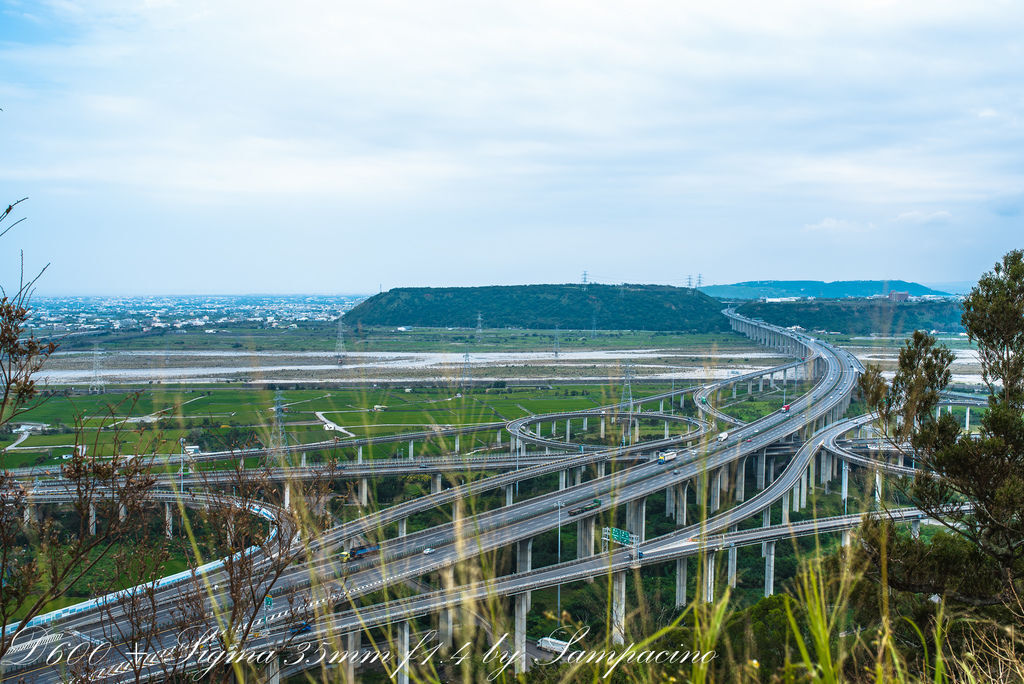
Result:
<point x="666" y="429"/>
<point x="878" y="487"/>
<point x="353" y="644"/>
<point x="915" y="528"/>
<point x="168" y="521"/>
<point x="287" y="496"/>
<point x="769" y="568"/>
<point x="585" y="536"/>
<point x="457" y="443"/>
<point x="302" y="460"/>
<point x="359" y="454"/>
<point x="522" y="607"/>
<point x="741" y="479"/>
<point x="122" y="512"/>
<point x="272" y="674"/>
<point x="446" y="627"/>
<point x="716" y="491"/>
<point x="435" y="483"/>
<point x="568" y="429"/>
<point x="577" y="477"/>
<point x="785" y="508"/>
<point x="600" y="469"/>
<point x="410" y="450"/>
<point x="803" y="488"/>
<point x="561" y="479"/>
<point x="402" y="675"/>
<point x="732" y="567"/>
<point x="364" y="491"/>
<point x="661" y="406"/>
<point x="670" y="501"/>
<point x="759" y="470"/>
<point x="602" y="427"/>
<point x="403" y="527"/>
<point x="508" y="494"/>
<point x="524" y="555"/>
<point x="584" y="423"/>
<point x="681" y="582"/>
<point x="636" y="515"/>
<point x="709" y="577"/>
<point x="967" y="424"/>
<point x="92" y="518"/>
<point x="845" y="492"/>
<point x="734" y="390"/>
<point x="497" y="439"/>
<point x="680" y="501"/>
<point x="846" y="537"/>
<point x="619" y="608"/>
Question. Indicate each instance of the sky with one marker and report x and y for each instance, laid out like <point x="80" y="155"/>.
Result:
<point x="344" y="147"/>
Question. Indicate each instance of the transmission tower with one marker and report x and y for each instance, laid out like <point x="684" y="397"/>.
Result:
<point x="626" y="399"/>
<point x="467" y="374"/>
<point x="700" y="280"/>
<point x="96" y="386"/>
<point x="689" y="281"/>
<point x="280" y="438"/>
<point x="584" y="280"/>
<point x="339" y="347"/>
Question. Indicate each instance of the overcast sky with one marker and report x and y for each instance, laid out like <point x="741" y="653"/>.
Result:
<point x="181" y="147"/>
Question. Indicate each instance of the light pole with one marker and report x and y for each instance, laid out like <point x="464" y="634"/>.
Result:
<point x="560" y="504"/>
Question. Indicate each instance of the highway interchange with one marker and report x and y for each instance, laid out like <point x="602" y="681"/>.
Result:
<point x="708" y="466"/>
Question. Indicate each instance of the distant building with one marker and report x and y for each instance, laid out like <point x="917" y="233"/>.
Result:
<point x="895" y="296"/>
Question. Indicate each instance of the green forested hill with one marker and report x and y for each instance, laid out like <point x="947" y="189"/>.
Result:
<point x="605" y="307"/>
<point x="859" y="316"/>
<point x="754" y="289"/>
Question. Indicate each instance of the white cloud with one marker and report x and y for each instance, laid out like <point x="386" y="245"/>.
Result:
<point x="917" y="217"/>
<point x="839" y="227"/>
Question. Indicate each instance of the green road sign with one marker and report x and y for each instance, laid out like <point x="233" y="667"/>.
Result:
<point x="268" y="602"/>
<point x="619" y="536"/>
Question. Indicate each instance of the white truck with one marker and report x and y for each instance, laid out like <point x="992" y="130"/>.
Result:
<point x="722" y="436"/>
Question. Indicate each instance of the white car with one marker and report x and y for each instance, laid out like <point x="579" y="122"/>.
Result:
<point x="429" y="550"/>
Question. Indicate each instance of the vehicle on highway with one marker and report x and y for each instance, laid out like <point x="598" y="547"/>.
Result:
<point x="301" y="628"/>
<point x="722" y="436"/>
<point x="666" y="456"/>
<point x="785" y="409"/>
<point x="552" y="645"/>
<point x="358" y="552"/>
<point x="583" y="509"/>
<point x="429" y="550"/>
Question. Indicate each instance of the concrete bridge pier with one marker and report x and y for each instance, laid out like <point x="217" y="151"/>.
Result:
<point x="584" y="423"/>
<point x="666" y="429"/>
<point x="359" y="454"/>
<point x="585" y="537"/>
<point x="600" y="469"/>
<point x="524" y="561"/>
<point x="731" y="573"/>
<point x="287" y="495"/>
<point x="845" y="491"/>
<point x="670" y="501"/>
<point x="92" y="518"/>
<point x="709" y="577"/>
<point x="272" y="672"/>
<point x="457" y="443"/>
<point x="497" y="439"/>
<point x="122" y="512"/>
<point x="734" y="390"/>
<point x="681" y="582"/>
<point x="577" y="476"/>
<point x="353" y="644"/>
<point x="769" y="568"/>
<point x="403" y="527"/>
<point x="446" y="628"/>
<point x="846" y="537"/>
<point x="804" y="477"/>
<point x="759" y="470"/>
<point x="411" y="449"/>
<point x="785" y="508"/>
<point x="680" y="502"/>
<point x="561" y="479"/>
<point x="364" y="491"/>
<point x="619" y="608"/>
<point x="168" y="520"/>
<point x="435" y="483"/>
<point x="716" y="491"/>
<point x="636" y="517"/>
<point x="915" y="528"/>
<point x="402" y="674"/>
<point x="741" y="479"/>
<point x="602" y="428"/>
<point x="508" y="494"/>
<point x="519" y="639"/>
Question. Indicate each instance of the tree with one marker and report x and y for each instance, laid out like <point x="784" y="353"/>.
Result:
<point x="974" y="486"/>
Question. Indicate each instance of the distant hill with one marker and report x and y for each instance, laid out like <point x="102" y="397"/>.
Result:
<point x="606" y="307"/>
<point x="755" y="289"/>
<point x="860" y="316"/>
